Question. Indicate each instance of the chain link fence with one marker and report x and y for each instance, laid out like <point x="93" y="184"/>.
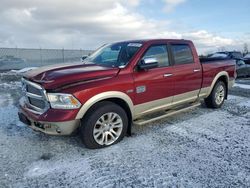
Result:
<point x="18" y="58"/>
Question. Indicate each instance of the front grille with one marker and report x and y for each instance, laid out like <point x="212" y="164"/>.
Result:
<point x="36" y="102"/>
<point x="33" y="90"/>
<point x="35" y="97"/>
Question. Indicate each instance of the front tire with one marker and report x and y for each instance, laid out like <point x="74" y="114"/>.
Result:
<point x="104" y="124"/>
<point x="217" y="96"/>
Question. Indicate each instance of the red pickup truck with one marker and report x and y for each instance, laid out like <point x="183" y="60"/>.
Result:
<point x="118" y="86"/>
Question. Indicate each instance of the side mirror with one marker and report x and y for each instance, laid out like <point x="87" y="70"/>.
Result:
<point x="148" y="63"/>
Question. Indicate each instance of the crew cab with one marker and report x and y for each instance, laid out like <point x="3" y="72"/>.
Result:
<point x="118" y="86"/>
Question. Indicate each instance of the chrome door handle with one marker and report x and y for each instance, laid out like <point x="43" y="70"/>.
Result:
<point x="197" y="70"/>
<point x="167" y="75"/>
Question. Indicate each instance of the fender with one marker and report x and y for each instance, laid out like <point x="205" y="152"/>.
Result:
<point x="102" y="96"/>
<point x="205" y="92"/>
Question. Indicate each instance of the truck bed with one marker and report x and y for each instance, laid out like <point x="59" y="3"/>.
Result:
<point x="212" y="66"/>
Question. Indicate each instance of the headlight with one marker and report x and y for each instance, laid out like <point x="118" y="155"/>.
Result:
<point x="63" y="101"/>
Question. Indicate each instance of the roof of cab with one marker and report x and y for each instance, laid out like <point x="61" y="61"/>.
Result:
<point x="156" y="40"/>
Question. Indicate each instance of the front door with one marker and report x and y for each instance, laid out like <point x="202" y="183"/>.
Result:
<point x="154" y="87"/>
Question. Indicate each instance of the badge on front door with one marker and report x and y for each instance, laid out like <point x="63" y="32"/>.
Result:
<point x="140" y="89"/>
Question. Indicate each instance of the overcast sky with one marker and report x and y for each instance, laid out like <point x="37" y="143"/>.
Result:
<point x="87" y="24"/>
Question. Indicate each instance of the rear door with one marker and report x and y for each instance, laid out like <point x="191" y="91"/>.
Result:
<point x="187" y="73"/>
<point x="154" y="87"/>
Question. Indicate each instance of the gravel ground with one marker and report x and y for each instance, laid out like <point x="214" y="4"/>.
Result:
<point x="199" y="148"/>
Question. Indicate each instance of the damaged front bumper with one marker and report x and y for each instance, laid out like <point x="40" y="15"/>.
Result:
<point x="51" y="128"/>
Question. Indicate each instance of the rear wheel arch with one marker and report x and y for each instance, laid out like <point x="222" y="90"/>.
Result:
<point x="217" y="96"/>
<point x="221" y="76"/>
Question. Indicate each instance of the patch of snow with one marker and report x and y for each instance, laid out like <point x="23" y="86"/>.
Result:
<point x="233" y="97"/>
<point x="40" y="168"/>
<point x="204" y="124"/>
<point x="10" y="85"/>
<point x="24" y="70"/>
<point x="5" y="100"/>
<point x="245" y="104"/>
<point x="243" y="86"/>
<point x="20" y="124"/>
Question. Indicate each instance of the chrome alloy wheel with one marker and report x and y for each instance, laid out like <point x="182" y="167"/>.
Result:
<point x="108" y="128"/>
<point x="219" y="95"/>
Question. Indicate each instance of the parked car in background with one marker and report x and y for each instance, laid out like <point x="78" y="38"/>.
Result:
<point x="242" y="69"/>
<point x="228" y="54"/>
<point x="247" y="58"/>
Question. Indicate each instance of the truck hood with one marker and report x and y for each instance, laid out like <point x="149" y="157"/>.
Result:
<point x="56" y="76"/>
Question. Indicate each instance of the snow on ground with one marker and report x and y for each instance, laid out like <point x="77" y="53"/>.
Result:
<point x="199" y="148"/>
<point x="24" y="70"/>
<point x="243" y="86"/>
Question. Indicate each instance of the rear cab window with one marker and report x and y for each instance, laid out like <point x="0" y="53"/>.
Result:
<point x="182" y="54"/>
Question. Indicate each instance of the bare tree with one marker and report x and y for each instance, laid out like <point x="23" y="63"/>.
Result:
<point x="245" y="48"/>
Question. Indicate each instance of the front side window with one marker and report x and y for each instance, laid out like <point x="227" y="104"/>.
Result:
<point x="182" y="54"/>
<point x="160" y="53"/>
<point x="114" y="55"/>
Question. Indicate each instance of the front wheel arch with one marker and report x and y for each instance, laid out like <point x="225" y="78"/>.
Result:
<point x="123" y="104"/>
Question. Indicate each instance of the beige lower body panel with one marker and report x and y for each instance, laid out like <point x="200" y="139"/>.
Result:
<point x="164" y="104"/>
<point x="204" y="92"/>
<point x="57" y="128"/>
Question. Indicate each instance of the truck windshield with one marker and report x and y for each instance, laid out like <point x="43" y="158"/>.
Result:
<point x="114" y="55"/>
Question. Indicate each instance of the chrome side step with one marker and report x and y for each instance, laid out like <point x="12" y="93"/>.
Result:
<point x="148" y="119"/>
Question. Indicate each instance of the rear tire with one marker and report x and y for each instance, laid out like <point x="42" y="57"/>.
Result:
<point x="104" y="124"/>
<point x="217" y="96"/>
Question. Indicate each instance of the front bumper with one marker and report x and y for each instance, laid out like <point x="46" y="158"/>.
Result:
<point x="51" y="128"/>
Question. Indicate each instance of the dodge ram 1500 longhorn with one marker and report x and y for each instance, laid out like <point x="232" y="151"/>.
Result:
<point x="119" y="85"/>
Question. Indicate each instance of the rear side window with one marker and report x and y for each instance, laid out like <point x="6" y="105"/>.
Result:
<point x="159" y="52"/>
<point x="182" y="54"/>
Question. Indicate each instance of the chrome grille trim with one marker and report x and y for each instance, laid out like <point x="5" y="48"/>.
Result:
<point x="28" y="95"/>
<point x="31" y="95"/>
